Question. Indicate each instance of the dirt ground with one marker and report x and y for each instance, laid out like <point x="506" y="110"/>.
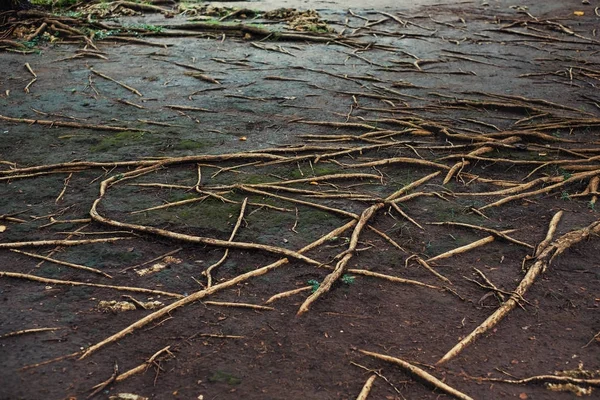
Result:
<point x="419" y="129"/>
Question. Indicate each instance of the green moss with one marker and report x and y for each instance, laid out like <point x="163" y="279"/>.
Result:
<point x="188" y="144"/>
<point x="119" y="139"/>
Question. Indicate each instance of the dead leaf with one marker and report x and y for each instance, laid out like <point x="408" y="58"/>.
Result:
<point x="579" y="13"/>
<point x="2" y="228"/>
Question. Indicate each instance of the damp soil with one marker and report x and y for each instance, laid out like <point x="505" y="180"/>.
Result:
<point x="447" y="66"/>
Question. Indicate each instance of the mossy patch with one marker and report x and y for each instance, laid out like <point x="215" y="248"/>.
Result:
<point x="117" y="140"/>
<point x="189" y="144"/>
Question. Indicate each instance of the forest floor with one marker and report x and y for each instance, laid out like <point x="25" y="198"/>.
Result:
<point x="392" y="172"/>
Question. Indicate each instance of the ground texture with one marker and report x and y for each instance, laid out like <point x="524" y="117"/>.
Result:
<point x="399" y="175"/>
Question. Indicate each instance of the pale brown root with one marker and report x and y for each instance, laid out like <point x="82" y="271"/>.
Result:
<point x="26" y="331"/>
<point x="64" y="189"/>
<point x="551" y="230"/>
<point x="169" y="253"/>
<point x="288" y="293"/>
<point x="68" y="264"/>
<point x="543" y="259"/>
<point x="240" y="305"/>
<point x="75" y="283"/>
<point x="388" y="239"/>
<point x="366" y="389"/>
<point x="218" y="336"/>
<point x="69" y="125"/>
<point x="197" y="239"/>
<point x="132" y="90"/>
<point x="51" y="361"/>
<point x="455" y="168"/>
<point x="142" y="367"/>
<point x="490" y="283"/>
<point x="428" y="267"/>
<point x="406" y="216"/>
<point x="39" y="243"/>
<point x="238" y="223"/>
<point x="297" y="201"/>
<point x="330" y="279"/>
<point x="484" y="229"/>
<point x="411" y="186"/>
<point x="398" y="160"/>
<point x="98" y="388"/>
<point x="542" y="379"/>
<point x="546" y="189"/>
<point x="390" y="278"/>
<point x="173" y="204"/>
<point x="421" y="374"/>
<point x="206" y="292"/>
<point x="467" y="247"/>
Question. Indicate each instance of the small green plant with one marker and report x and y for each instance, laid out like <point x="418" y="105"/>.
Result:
<point x="146" y="27"/>
<point x="565" y="174"/>
<point x="592" y="205"/>
<point x="565" y="195"/>
<point x="348" y="279"/>
<point x="314" y="285"/>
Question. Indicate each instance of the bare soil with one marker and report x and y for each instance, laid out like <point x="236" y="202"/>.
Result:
<point x="444" y="84"/>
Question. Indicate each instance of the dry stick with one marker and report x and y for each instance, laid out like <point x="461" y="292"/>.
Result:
<point x="364" y="393"/>
<point x="289" y="293"/>
<point x="418" y="372"/>
<point x="132" y="90"/>
<point x="208" y="291"/>
<point x="241" y="305"/>
<point x="68" y="264"/>
<point x="484" y="229"/>
<point x="38" y="243"/>
<point x="330" y="279"/>
<point x="26" y="331"/>
<point x="36" y="278"/>
<point x="543" y="260"/>
<point x="467" y="247"/>
<point x="208" y="271"/>
<point x="68" y="125"/>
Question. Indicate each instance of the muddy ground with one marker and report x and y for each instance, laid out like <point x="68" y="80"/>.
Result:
<point x="500" y="100"/>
